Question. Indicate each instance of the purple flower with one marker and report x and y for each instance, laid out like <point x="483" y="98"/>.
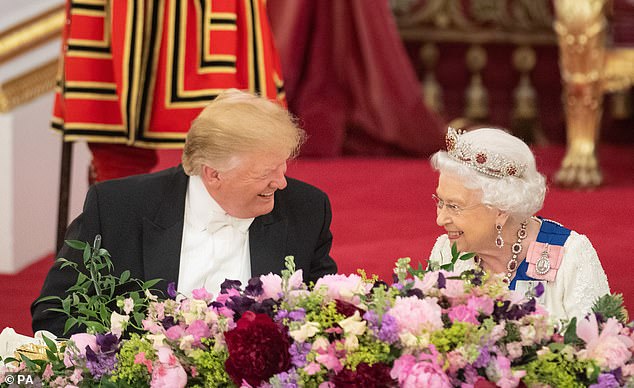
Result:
<point x="298" y="353"/>
<point x="254" y="288"/>
<point x="483" y="359"/>
<point x="539" y="289"/>
<point x="171" y="290"/>
<point x="606" y="380"/>
<point x="230" y="284"/>
<point x="442" y="282"/>
<point x="168" y="322"/>
<point x="107" y="342"/>
<point x="100" y="364"/>
<point x="297" y="315"/>
<point x="389" y="329"/>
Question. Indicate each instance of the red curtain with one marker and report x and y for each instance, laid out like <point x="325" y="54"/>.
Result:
<point x="349" y="79"/>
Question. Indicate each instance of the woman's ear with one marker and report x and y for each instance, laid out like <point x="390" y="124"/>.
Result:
<point x="501" y="217"/>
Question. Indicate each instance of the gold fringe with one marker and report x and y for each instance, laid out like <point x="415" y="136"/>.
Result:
<point x="30" y="33"/>
<point x="27" y="87"/>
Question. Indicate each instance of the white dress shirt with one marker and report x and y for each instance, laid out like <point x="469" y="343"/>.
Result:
<point x="215" y="245"/>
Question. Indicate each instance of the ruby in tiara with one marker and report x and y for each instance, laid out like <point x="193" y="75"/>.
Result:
<point x="481" y="160"/>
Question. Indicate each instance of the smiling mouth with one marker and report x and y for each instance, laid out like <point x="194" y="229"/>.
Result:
<point x="454" y="235"/>
<point x="269" y="195"/>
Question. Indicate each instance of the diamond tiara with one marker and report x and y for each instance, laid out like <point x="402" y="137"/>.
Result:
<point x="481" y="160"/>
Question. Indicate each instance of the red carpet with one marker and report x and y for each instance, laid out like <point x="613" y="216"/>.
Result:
<point x="382" y="210"/>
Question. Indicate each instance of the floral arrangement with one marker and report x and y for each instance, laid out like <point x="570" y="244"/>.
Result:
<point x="435" y="328"/>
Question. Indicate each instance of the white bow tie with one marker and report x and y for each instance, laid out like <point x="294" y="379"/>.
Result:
<point x="217" y="223"/>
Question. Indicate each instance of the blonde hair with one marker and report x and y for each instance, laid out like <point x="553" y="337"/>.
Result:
<point x="237" y="123"/>
<point x="521" y="197"/>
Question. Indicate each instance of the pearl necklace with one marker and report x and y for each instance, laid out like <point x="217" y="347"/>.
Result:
<point x="516" y="249"/>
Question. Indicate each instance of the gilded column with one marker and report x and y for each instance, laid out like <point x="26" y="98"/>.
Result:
<point x="581" y="30"/>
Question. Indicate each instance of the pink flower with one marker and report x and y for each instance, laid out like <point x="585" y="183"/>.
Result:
<point x="312" y="368"/>
<point x="175" y="332"/>
<point x="500" y="371"/>
<point x="271" y="286"/>
<point x="168" y="376"/>
<point x="198" y="329"/>
<point x="609" y="348"/>
<point x="140" y="359"/>
<point x="428" y="282"/>
<point x="48" y="372"/>
<point x="202" y="294"/>
<point x="463" y="313"/>
<point x="414" y="315"/>
<point x="81" y="341"/>
<point x="151" y="326"/>
<point x="514" y="350"/>
<point x="425" y="372"/>
<point x="482" y="304"/>
<point x="342" y="287"/>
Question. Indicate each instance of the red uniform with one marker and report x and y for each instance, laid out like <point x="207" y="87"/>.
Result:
<point x="135" y="73"/>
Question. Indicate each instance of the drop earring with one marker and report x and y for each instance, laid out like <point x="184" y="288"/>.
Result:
<point x="499" y="241"/>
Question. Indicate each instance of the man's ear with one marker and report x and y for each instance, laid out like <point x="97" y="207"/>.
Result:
<point x="209" y="175"/>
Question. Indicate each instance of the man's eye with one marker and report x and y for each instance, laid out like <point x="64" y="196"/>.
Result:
<point x="452" y="207"/>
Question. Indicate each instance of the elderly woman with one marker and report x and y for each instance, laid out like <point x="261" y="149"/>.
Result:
<point x="488" y="192"/>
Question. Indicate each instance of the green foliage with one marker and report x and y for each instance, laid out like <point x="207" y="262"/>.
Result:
<point x="127" y="371"/>
<point x="210" y="366"/>
<point x="90" y="301"/>
<point x="455" y="257"/>
<point x="611" y="306"/>
<point x="559" y="368"/>
<point x="450" y="338"/>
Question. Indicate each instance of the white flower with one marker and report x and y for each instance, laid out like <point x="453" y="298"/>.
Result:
<point x="128" y="305"/>
<point x="353" y="325"/>
<point x="307" y="330"/>
<point x="118" y="323"/>
<point x="320" y="343"/>
<point x="351" y="343"/>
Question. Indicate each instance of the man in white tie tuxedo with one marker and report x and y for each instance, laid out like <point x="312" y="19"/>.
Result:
<point x="228" y="212"/>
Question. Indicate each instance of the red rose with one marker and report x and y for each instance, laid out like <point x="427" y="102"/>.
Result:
<point x="258" y="349"/>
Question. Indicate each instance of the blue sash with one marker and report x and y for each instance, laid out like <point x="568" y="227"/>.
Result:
<point x="551" y="233"/>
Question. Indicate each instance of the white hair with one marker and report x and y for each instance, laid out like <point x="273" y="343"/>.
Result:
<point x="521" y="196"/>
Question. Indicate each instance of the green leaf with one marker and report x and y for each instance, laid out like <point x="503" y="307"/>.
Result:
<point x="125" y="275"/>
<point x="47" y="298"/>
<point x="150" y="283"/>
<point x="70" y="322"/>
<point x="570" y="335"/>
<point x="75" y="244"/>
<point x="467" y="256"/>
<point x="52" y="345"/>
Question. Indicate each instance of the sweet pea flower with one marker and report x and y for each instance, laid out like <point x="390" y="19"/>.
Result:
<point x="343" y="287"/>
<point x="609" y="348"/>
<point x="175" y="332"/>
<point x="305" y="331"/>
<point x="118" y="323"/>
<point x="353" y="325"/>
<point x="463" y="313"/>
<point x="500" y="371"/>
<point x="271" y="286"/>
<point x="199" y="330"/>
<point x="168" y="376"/>
<point x="482" y="304"/>
<point x="202" y="294"/>
<point x="81" y="342"/>
<point x="312" y="368"/>
<point x="514" y="349"/>
<point x="48" y="372"/>
<point x="427" y="283"/>
<point x="320" y="344"/>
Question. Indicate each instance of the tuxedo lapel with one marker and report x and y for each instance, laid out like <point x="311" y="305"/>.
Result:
<point x="267" y="243"/>
<point x="162" y="236"/>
